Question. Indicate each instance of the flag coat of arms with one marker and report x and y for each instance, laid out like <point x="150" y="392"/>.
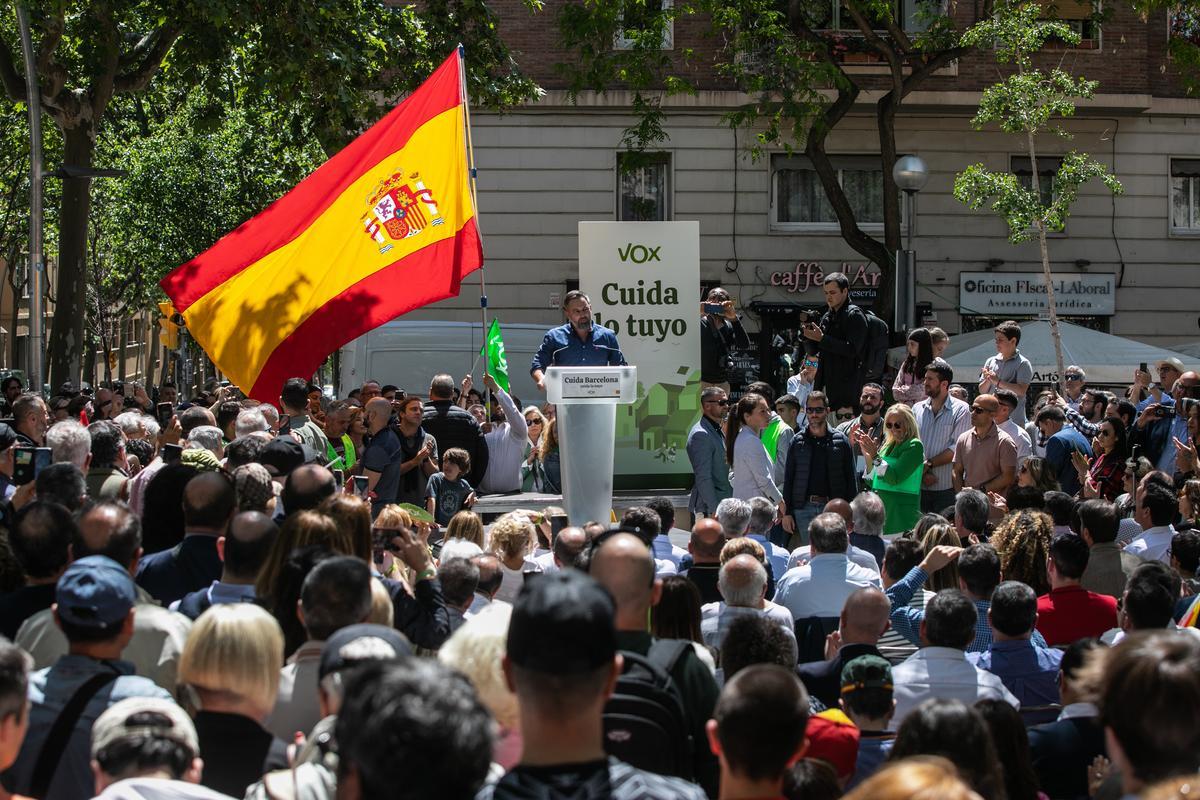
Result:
<point x="385" y="226"/>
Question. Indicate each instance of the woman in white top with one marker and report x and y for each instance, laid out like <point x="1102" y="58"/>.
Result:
<point x="744" y="450"/>
<point x="511" y="539"/>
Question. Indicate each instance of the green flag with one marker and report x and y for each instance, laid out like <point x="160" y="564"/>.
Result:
<point x="493" y="350"/>
<point x="770" y="436"/>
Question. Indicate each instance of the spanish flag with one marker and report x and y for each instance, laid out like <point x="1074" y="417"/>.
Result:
<point x="385" y="226"/>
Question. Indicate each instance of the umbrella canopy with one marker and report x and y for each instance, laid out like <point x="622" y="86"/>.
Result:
<point x="1106" y="359"/>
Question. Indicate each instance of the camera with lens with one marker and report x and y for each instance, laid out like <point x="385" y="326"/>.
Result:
<point x="808" y="315"/>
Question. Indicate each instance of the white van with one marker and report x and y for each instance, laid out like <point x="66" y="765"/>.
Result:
<point x="408" y="353"/>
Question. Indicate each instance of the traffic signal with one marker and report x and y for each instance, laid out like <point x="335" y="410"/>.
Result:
<point x="169" y="332"/>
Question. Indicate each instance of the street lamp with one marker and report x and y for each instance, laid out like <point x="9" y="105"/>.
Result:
<point x="911" y="175"/>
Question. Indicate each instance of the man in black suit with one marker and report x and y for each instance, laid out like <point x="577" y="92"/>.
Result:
<point x="209" y="501"/>
<point x="1064" y="749"/>
<point x="864" y="619"/>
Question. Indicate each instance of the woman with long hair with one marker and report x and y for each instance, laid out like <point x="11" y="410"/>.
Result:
<point x="1104" y="475"/>
<point x="677" y="616"/>
<point x="896" y="467"/>
<point x="1012" y="747"/>
<point x="909" y="386"/>
<point x="1036" y="472"/>
<point x="551" y="459"/>
<point x="953" y="730"/>
<point x="533" y="474"/>
<point x="1022" y="540"/>
<point x="939" y="534"/>
<point x="744" y="450"/>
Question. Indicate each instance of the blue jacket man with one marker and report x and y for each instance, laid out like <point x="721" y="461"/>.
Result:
<point x="1061" y="442"/>
<point x="706" y="451"/>
<point x="578" y="343"/>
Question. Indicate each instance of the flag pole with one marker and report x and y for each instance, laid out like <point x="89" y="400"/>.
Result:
<point x="472" y="173"/>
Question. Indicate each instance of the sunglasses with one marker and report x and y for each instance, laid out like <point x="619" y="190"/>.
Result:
<point x="533" y="422"/>
<point x="981" y="410"/>
<point x="1073" y="377"/>
<point x="717" y="402"/>
<point x="845" y="416"/>
<point x="894" y="426"/>
<point x="815" y="409"/>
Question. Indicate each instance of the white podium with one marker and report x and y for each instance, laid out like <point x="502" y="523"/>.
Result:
<point x="585" y="400"/>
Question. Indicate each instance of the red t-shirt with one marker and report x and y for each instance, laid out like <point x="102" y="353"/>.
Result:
<point x="1072" y="613"/>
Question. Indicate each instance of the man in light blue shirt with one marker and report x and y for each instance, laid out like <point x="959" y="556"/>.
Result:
<point x="820" y="587"/>
<point x="578" y="343"/>
<point x="1028" y="670"/>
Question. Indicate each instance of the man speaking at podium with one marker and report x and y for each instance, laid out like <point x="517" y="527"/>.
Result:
<point x="578" y="343"/>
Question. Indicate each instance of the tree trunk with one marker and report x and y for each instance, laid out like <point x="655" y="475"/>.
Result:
<point x="67" y="341"/>
<point x="1050" y="305"/>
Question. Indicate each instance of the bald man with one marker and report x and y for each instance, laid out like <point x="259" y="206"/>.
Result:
<point x="306" y="487"/>
<point x="383" y="456"/>
<point x="708" y="537"/>
<point x="864" y="619"/>
<point x="624" y="566"/>
<point x="743" y="585"/>
<point x="243" y="550"/>
<point x="209" y="501"/>
<point x="564" y="550"/>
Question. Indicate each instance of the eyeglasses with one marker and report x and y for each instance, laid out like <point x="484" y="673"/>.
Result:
<point x="815" y="409"/>
<point x="894" y="426"/>
<point x="533" y="422"/>
<point x="981" y="410"/>
<point x="845" y="416"/>
<point x="716" y="402"/>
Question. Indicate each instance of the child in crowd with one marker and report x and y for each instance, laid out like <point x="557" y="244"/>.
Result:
<point x="448" y="491"/>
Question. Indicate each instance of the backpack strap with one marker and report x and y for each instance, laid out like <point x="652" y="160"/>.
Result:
<point x="665" y="654"/>
<point x="60" y="733"/>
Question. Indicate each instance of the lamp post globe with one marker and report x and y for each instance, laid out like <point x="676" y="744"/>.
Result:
<point x="910" y="173"/>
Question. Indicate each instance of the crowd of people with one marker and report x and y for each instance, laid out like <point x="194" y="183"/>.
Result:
<point x="928" y="598"/>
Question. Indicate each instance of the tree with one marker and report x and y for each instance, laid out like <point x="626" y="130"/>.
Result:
<point x="785" y="55"/>
<point x="1029" y="102"/>
<point x="335" y="60"/>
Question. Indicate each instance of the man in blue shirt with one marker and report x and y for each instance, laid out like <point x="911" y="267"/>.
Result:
<point x="1061" y="445"/>
<point x="1029" y="670"/>
<point x="578" y="343"/>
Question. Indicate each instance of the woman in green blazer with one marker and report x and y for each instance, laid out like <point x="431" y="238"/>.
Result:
<point x="896" y="468"/>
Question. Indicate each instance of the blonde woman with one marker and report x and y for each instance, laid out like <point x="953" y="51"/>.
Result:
<point x="229" y="672"/>
<point x="934" y="535"/>
<point x="464" y="537"/>
<point x="391" y="520"/>
<point x="551" y="459"/>
<point x="512" y="539"/>
<point x="477" y="650"/>
<point x="532" y="474"/>
<point x="896" y="467"/>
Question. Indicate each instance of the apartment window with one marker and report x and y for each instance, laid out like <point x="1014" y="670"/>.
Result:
<point x="913" y="15"/>
<point x="1080" y="16"/>
<point x="643" y="186"/>
<point x="798" y="201"/>
<point x="1047" y="168"/>
<point x="1185" y="195"/>
<point x="639" y="17"/>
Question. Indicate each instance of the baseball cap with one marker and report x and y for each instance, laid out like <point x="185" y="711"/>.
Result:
<point x="355" y="644"/>
<point x="8" y="437"/>
<point x="562" y="622"/>
<point x="117" y="724"/>
<point x="283" y="454"/>
<point x="866" y="672"/>
<point x="95" y="592"/>
<point x="832" y="737"/>
<point x="1172" y="362"/>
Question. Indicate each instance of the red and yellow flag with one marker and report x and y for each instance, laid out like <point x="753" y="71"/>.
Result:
<point x="385" y="226"/>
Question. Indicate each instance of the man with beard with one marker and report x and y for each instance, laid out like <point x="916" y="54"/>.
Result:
<point x="941" y="419"/>
<point x="706" y="452"/>
<point x="578" y="343"/>
<point x="418" y="451"/>
<point x="870" y="420"/>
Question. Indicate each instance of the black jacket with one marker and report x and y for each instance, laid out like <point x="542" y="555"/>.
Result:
<point x="190" y="565"/>
<point x="840" y="373"/>
<point x="823" y="679"/>
<point x="1062" y="752"/>
<point x="420" y="616"/>
<point x="715" y="346"/>
<point x="453" y="426"/>
<point x="843" y="475"/>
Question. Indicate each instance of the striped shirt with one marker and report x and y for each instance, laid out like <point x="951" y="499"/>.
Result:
<point x="939" y="430"/>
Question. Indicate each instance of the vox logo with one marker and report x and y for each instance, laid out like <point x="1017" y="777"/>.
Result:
<point x="638" y="253"/>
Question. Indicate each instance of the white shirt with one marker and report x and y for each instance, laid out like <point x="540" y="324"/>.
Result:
<point x="715" y="619"/>
<point x="944" y="673"/>
<point x="1018" y="434"/>
<point x="546" y="562"/>
<point x="802" y="555"/>
<point x="513" y="580"/>
<point x="458" y="548"/>
<point x="1153" y="544"/>
<point x="506" y="449"/>
<point x="481" y="602"/>
<point x="820" y="587"/>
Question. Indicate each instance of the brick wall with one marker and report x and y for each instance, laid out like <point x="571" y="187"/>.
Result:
<point x="1131" y="59"/>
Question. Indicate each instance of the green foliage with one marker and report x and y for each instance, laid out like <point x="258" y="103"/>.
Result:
<point x="1028" y="102"/>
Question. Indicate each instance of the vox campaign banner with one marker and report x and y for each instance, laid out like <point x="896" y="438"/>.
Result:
<point x="644" y="282"/>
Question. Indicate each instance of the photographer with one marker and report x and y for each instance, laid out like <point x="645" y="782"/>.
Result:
<point x="1158" y="427"/>
<point x="720" y="332"/>
<point x="841" y="338"/>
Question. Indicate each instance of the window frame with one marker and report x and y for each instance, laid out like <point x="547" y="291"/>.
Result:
<point x="775" y="226"/>
<point x="621" y="42"/>
<point x="668" y="159"/>
<point x="1194" y="207"/>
